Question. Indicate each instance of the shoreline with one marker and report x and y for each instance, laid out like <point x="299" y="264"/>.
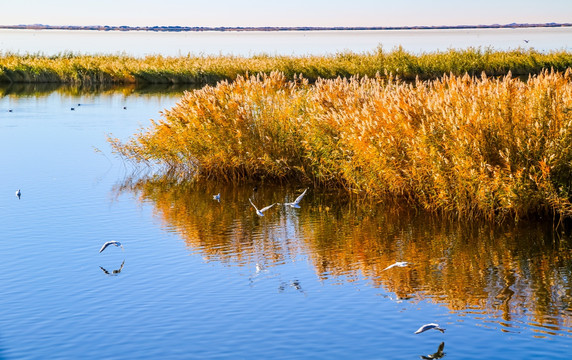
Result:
<point x="119" y="69"/>
<point x="274" y="28"/>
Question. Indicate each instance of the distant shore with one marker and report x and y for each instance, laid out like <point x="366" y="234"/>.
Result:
<point x="276" y="28"/>
<point x="69" y="68"/>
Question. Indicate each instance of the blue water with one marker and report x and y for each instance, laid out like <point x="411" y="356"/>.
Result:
<point x="188" y="285"/>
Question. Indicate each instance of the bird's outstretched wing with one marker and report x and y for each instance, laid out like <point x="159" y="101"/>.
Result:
<point x="266" y="208"/>
<point x="105" y="246"/>
<point x="251" y="203"/>
<point x="299" y="198"/>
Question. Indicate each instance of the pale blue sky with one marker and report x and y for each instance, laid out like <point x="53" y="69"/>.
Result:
<point x="283" y="13"/>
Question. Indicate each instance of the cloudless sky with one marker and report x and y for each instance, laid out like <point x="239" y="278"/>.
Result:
<point x="283" y="13"/>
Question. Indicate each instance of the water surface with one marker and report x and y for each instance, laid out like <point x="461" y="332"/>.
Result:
<point x="202" y="279"/>
<point x="141" y="43"/>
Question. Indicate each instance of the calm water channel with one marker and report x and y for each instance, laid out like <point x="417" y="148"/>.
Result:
<point x="202" y="279"/>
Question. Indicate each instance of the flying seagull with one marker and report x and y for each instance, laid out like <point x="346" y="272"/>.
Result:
<point x="398" y="264"/>
<point x="18" y="193"/>
<point x="116" y="243"/>
<point x="429" y="327"/>
<point x="216" y="197"/>
<point x="260" y="212"/>
<point x="296" y="203"/>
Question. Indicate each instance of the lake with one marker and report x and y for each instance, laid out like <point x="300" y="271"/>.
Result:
<point x="202" y="279"/>
<point x="198" y="278"/>
<point x="141" y="43"/>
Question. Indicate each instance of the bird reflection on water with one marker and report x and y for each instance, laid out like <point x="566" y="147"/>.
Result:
<point x="114" y="272"/>
<point x="294" y="284"/>
<point x="434" y="250"/>
<point x="437" y="355"/>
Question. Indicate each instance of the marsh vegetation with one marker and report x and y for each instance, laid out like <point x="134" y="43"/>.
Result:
<point x="122" y="69"/>
<point x="472" y="146"/>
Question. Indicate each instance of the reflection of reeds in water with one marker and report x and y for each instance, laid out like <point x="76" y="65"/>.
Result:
<point x="512" y="274"/>
<point x="45" y="89"/>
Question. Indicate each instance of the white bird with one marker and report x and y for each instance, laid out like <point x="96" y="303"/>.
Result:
<point x="216" y="197"/>
<point x="398" y="264"/>
<point x="296" y="203"/>
<point x="429" y="327"/>
<point x="18" y="193"/>
<point x="260" y="212"/>
<point x="113" y="242"/>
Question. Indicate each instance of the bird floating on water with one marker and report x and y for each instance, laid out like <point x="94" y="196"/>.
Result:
<point x="260" y="212"/>
<point x="296" y="203"/>
<point x="429" y="327"/>
<point x="113" y="242"/>
<point x="18" y="193"/>
<point x="216" y="197"/>
<point x="260" y="268"/>
<point x="398" y="264"/>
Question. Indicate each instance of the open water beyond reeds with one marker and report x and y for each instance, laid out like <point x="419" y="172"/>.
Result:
<point x="203" y="279"/>
<point x="248" y="43"/>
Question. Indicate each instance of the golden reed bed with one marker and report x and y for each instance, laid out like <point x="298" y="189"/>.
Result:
<point x="472" y="146"/>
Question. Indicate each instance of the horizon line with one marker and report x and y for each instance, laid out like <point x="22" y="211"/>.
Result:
<point x="179" y="28"/>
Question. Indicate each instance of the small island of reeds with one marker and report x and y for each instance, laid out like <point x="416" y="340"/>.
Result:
<point x="474" y="146"/>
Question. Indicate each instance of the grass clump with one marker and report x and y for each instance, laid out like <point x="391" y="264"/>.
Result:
<point x="471" y="146"/>
<point x="72" y="68"/>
